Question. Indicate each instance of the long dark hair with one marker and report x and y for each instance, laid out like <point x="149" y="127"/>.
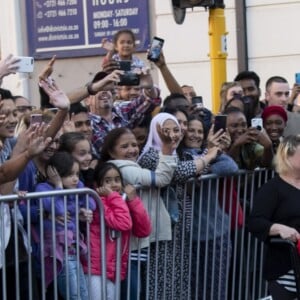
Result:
<point x="205" y="133"/>
<point x="62" y="161"/>
<point x="101" y="169"/>
<point x="68" y="140"/>
<point x="110" y="142"/>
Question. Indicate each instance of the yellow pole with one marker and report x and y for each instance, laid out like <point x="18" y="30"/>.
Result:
<point x="218" y="53"/>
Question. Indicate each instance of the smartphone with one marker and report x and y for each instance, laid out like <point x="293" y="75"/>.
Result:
<point x="155" y="49"/>
<point x="128" y="78"/>
<point x="220" y="122"/>
<point x="25" y="64"/>
<point x="198" y="101"/>
<point x="297" y="78"/>
<point x="36" y="118"/>
<point x="257" y="123"/>
<point x="125" y="65"/>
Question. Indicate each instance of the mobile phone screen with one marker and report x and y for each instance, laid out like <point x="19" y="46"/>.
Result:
<point x="36" y="118"/>
<point x="297" y="78"/>
<point x="257" y="123"/>
<point x="220" y="122"/>
<point x="125" y="65"/>
<point x="197" y="100"/>
<point x="155" y="50"/>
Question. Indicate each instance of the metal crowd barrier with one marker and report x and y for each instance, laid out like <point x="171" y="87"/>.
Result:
<point x="211" y="254"/>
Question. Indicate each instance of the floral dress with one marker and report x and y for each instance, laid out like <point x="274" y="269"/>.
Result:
<point x="169" y="260"/>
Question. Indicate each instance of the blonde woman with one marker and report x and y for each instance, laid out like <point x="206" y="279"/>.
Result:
<point x="276" y="212"/>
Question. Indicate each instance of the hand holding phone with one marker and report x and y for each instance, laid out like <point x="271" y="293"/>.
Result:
<point x="155" y="49"/>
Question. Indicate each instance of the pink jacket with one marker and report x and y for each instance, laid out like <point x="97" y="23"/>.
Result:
<point x="123" y="216"/>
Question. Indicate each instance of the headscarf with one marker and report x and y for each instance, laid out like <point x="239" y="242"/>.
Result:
<point x="274" y="110"/>
<point x="153" y="140"/>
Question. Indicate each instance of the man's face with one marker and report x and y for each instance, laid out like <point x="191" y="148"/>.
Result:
<point x="83" y="124"/>
<point x="23" y="106"/>
<point x="102" y="100"/>
<point x="250" y="88"/>
<point x="278" y="94"/>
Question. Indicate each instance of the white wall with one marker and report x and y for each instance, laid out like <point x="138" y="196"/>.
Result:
<point x="273" y="43"/>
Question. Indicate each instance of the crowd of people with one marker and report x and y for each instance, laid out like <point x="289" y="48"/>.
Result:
<point x="112" y="137"/>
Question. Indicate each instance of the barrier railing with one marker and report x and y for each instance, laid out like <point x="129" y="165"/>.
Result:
<point x="210" y="253"/>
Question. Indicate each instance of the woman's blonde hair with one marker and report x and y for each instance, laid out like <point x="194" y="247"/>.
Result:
<point x="285" y="150"/>
<point x="223" y="92"/>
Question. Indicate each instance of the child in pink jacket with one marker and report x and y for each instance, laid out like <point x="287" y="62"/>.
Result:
<point x="125" y="214"/>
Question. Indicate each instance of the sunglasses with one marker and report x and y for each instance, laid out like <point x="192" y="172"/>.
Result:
<point x="81" y="123"/>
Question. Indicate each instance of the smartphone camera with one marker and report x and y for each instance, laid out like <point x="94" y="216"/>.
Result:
<point x="297" y="78"/>
<point x="155" y="49"/>
<point x="257" y="123"/>
<point x="197" y="101"/>
<point x="128" y="78"/>
<point x="36" y="119"/>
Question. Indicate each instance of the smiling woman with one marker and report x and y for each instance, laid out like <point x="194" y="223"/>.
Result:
<point x="274" y="120"/>
<point x="7" y="129"/>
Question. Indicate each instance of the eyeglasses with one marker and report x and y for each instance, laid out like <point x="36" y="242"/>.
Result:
<point x="24" y="108"/>
<point x="81" y="123"/>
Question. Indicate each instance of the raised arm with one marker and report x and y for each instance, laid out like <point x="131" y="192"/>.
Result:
<point x="36" y="143"/>
<point x="60" y="100"/>
<point x="171" y="82"/>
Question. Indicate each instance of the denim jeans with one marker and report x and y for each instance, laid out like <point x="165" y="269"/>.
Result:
<point x="73" y="270"/>
<point x="135" y="280"/>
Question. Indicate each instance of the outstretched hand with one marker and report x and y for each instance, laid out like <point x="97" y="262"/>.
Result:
<point x="169" y="141"/>
<point x="37" y="143"/>
<point x="47" y="71"/>
<point x="58" y="97"/>
<point x="8" y="65"/>
<point x="107" y="44"/>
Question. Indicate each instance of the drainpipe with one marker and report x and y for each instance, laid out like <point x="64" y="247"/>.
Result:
<point x="241" y="35"/>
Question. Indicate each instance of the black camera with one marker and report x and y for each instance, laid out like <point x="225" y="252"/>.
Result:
<point x="128" y="78"/>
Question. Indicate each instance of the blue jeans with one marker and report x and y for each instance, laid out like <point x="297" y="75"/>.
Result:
<point x="134" y="281"/>
<point x="73" y="270"/>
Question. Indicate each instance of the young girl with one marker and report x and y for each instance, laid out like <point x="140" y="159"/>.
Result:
<point x="125" y="216"/>
<point x="79" y="147"/>
<point x="63" y="173"/>
<point x="122" y="48"/>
